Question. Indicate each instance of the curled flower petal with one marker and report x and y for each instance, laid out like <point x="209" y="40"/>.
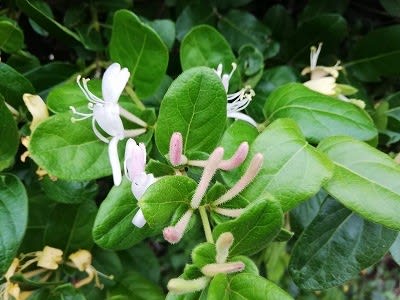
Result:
<point x="107" y="116"/>
<point x="324" y="85"/>
<point x="114" y="160"/>
<point x="139" y="219"/>
<point x="135" y="159"/>
<point x="140" y="183"/>
<point x="113" y="82"/>
<point x="243" y="117"/>
<point x="37" y="108"/>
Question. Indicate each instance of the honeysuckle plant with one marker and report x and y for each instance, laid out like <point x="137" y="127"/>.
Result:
<point x="194" y="164"/>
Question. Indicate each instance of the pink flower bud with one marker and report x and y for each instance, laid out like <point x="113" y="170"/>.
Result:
<point x="222" y="245"/>
<point x="175" y="150"/>
<point x="237" y="158"/>
<point x="214" y="269"/>
<point x="173" y="234"/>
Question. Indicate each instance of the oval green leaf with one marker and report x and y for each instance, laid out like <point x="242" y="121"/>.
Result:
<point x="69" y="150"/>
<point x="374" y="57"/>
<point x="319" y="116"/>
<point x="244" y="286"/>
<point x="8" y="135"/>
<point x="254" y="228"/>
<point x="293" y="170"/>
<point x="11" y="37"/>
<point x="195" y="106"/>
<point x="138" y="47"/>
<point x="13" y="218"/>
<point x="13" y="92"/>
<point x="113" y="228"/>
<point x="336" y="247"/>
<point x="205" y="46"/>
<point x="364" y="180"/>
<point x="165" y="198"/>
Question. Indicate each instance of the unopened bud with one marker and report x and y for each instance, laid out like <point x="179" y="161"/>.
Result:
<point x="222" y="245"/>
<point x="175" y="150"/>
<point x="237" y="159"/>
<point x="211" y="270"/>
<point x="182" y="286"/>
<point x="173" y="234"/>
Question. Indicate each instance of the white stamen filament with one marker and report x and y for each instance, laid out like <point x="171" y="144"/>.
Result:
<point x="131" y="117"/>
<point x="222" y="245"/>
<point x="231" y="267"/>
<point x="229" y="212"/>
<point x="173" y="234"/>
<point x="248" y="176"/>
<point x="208" y="173"/>
<point x="97" y="133"/>
<point x="314" y="53"/>
<point x="114" y="160"/>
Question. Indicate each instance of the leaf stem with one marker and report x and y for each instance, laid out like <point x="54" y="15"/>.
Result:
<point x="134" y="97"/>
<point x="206" y="224"/>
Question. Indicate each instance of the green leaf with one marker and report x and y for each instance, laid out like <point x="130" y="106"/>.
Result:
<point x="205" y="46"/>
<point x="13" y="92"/>
<point x="278" y="19"/>
<point x="107" y="262"/>
<point x="241" y="28"/>
<point x="336" y="246"/>
<point x="316" y="7"/>
<point x="391" y="6"/>
<point x="13" y="218"/>
<point x="244" y="286"/>
<point x="66" y="291"/>
<point x="69" y="94"/>
<point x="53" y="27"/>
<point x="8" y="135"/>
<point x="373" y="57"/>
<point x="45" y="77"/>
<point x="139" y="48"/>
<point x="365" y="180"/>
<point x="330" y="29"/>
<point x="57" y="141"/>
<point x="135" y="286"/>
<point x="395" y="250"/>
<point x="23" y="61"/>
<point x="168" y="197"/>
<point x="234" y="135"/>
<point x="293" y="170"/>
<point x="251" y="60"/>
<point x="11" y="37"/>
<point x="113" y="228"/>
<point x="192" y="15"/>
<point x="69" y="192"/>
<point x="204" y="254"/>
<point x="69" y="227"/>
<point x="45" y="9"/>
<point x="166" y="30"/>
<point x="195" y="106"/>
<point x="319" y="116"/>
<point x="254" y="228"/>
<point x="270" y="80"/>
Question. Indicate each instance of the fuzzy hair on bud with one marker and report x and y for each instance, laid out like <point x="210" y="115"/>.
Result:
<point x="222" y="245"/>
<point x="237" y="158"/>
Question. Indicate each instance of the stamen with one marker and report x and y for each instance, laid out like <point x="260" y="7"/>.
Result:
<point x="213" y="269"/>
<point x="208" y="173"/>
<point x="173" y="234"/>
<point x="222" y="245"/>
<point x="75" y="112"/>
<point x="78" y="81"/>
<point x="237" y="158"/>
<point x="248" y="176"/>
<point x="131" y="117"/>
<point x="92" y="96"/>
<point x="229" y="212"/>
<point x="314" y="53"/>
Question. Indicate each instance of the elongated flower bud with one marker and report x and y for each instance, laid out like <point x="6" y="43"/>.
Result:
<point x="182" y="286"/>
<point x="173" y="234"/>
<point x="214" y="269"/>
<point x="237" y="158"/>
<point x="229" y="212"/>
<point x="175" y="150"/>
<point x="208" y="173"/>
<point x="248" y="176"/>
<point x="222" y="245"/>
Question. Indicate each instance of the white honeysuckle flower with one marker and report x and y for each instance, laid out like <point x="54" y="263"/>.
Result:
<point x="324" y="85"/>
<point x="134" y="166"/>
<point x="238" y="101"/>
<point x="106" y="113"/>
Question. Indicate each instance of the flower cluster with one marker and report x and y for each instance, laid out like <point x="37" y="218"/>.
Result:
<point x="174" y="234"/>
<point x="47" y="261"/>
<point x="106" y="113"/>
<point x="323" y="79"/>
